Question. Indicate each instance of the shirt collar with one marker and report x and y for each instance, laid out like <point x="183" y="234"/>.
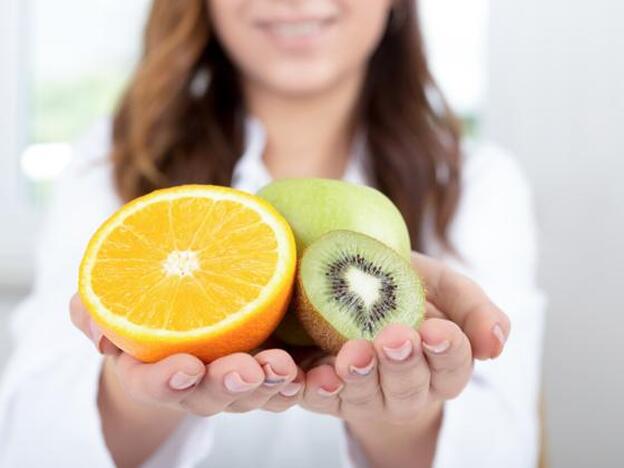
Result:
<point x="251" y="174"/>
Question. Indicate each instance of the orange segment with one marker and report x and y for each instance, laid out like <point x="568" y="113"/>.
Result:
<point x="200" y="269"/>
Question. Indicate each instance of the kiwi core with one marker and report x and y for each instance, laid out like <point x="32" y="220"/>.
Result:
<point x="363" y="289"/>
<point x="364" y="285"/>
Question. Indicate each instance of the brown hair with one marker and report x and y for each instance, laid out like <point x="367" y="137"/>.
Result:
<point x="165" y="134"/>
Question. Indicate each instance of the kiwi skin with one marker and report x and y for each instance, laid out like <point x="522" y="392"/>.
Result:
<point x="324" y="334"/>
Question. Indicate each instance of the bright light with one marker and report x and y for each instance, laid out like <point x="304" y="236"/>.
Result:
<point x="45" y="161"/>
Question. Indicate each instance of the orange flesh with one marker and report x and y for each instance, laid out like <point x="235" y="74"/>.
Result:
<point x="235" y="256"/>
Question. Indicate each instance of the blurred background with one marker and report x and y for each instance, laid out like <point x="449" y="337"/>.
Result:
<point x="543" y="79"/>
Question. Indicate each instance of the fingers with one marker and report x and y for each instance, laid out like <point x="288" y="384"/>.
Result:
<point x="83" y="321"/>
<point x="238" y="382"/>
<point x="322" y="387"/>
<point x="402" y="375"/>
<point x="448" y="352"/>
<point x="465" y="303"/>
<point x="227" y="379"/>
<point x="78" y="314"/>
<point x="167" y="381"/>
<point x="279" y="371"/>
<point x="288" y="396"/>
<point x="431" y="311"/>
<point x="356" y="365"/>
<point x="403" y="372"/>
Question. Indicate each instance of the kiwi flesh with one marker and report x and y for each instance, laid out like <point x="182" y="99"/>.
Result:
<point x="350" y="286"/>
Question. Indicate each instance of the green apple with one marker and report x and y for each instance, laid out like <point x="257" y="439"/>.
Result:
<point x="314" y="207"/>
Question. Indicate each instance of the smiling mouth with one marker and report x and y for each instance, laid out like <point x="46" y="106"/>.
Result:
<point x="301" y="29"/>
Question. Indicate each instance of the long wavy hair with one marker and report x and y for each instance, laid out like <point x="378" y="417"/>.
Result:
<point x="169" y="131"/>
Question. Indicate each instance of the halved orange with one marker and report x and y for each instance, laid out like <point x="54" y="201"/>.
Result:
<point x="198" y="269"/>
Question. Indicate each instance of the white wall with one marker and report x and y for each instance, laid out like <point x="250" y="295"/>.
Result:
<point x="556" y="98"/>
<point x="8" y="300"/>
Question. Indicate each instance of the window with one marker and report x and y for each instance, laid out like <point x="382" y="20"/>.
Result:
<point x="456" y="35"/>
<point x="80" y="55"/>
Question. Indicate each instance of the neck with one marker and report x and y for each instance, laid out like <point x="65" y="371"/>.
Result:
<point x="307" y="136"/>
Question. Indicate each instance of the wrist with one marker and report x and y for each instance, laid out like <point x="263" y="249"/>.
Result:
<point x="122" y="417"/>
<point x="426" y="420"/>
<point x="399" y="444"/>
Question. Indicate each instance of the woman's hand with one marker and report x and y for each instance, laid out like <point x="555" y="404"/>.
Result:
<point x="237" y="382"/>
<point x="152" y="399"/>
<point x="391" y="392"/>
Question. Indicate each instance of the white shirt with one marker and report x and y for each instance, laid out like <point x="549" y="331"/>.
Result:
<point x="48" y="408"/>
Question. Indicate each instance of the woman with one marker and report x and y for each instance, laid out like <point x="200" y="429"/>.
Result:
<point x="239" y="92"/>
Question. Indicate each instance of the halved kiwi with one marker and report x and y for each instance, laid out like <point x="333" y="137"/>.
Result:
<point x="351" y="286"/>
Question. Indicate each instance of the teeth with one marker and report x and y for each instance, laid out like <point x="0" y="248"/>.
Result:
<point x="301" y="29"/>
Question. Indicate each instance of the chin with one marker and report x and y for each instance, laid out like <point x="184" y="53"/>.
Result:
<point x="301" y="81"/>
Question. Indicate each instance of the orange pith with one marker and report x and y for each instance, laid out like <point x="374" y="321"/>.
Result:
<point x="200" y="269"/>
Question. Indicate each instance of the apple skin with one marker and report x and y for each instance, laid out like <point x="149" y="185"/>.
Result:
<point x="314" y="207"/>
<point x="291" y="331"/>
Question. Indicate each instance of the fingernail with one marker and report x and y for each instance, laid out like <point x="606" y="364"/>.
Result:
<point x="272" y="378"/>
<point x="291" y="389"/>
<point x="235" y="383"/>
<point x="498" y="332"/>
<point x="437" y="348"/>
<point x="363" y="371"/>
<point x="330" y="393"/>
<point x="96" y="335"/>
<point x="183" y="381"/>
<point x="400" y="353"/>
